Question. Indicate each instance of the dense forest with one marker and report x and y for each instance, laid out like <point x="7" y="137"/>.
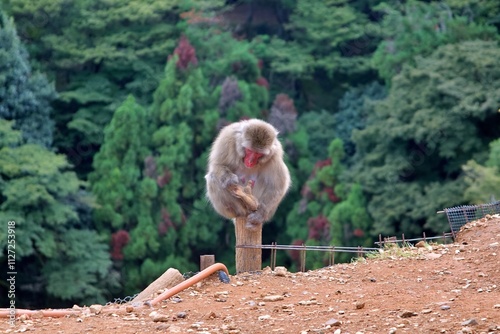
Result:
<point x="388" y="112"/>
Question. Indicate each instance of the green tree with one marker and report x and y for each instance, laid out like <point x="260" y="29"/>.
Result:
<point x="418" y="28"/>
<point x="98" y="53"/>
<point x="483" y="181"/>
<point x="438" y="115"/>
<point x="333" y="214"/>
<point x="55" y="248"/>
<point x="354" y="108"/>
<point x="125" y="183"/>
<point x="24" y="96"/>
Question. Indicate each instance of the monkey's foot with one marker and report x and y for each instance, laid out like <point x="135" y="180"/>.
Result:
<point x="253" y="226"/>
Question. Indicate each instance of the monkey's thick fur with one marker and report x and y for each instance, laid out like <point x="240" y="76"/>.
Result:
<point x="270" y="177"/>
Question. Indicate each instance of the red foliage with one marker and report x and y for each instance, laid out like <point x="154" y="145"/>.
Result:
<point x="186" y="54"/>
<point x="323" y="163"/>
<point x="119" y="240"/>
<point x="331" y="195"/>
<point x="166" y="223"/>
<point x="319" y="228"/>
<point x="164" y="179"/>
<point x="358" y="233"/>
<point x="262" y="82"/>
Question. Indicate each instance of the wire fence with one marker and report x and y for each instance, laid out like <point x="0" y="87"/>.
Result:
<point x="460" y="215"/>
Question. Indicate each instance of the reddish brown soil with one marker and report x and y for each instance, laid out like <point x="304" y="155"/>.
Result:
<point x="452" y="288"/>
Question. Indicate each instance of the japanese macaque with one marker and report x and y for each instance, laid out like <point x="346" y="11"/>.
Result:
<point x="247" y="154"/>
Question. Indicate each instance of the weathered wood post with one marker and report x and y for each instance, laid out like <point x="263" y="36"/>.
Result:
<point x="247" y="259"/>
<point x="206" y="261"/>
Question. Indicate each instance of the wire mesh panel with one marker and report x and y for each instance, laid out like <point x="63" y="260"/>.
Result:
<point x="460" y="215"/>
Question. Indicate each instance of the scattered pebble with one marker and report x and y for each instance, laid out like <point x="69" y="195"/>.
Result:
<point x="273" y="298"/>
<point x="408" y="314"/>
<point x="333" y="322"/>
<point x="470" y="322"/>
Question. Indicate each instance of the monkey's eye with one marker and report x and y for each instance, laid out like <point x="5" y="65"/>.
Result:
<point x="251" y="157"/>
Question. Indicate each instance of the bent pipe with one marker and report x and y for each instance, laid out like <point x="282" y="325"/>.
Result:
<point x="6" y="312"/>
<point x="189" y="282"/>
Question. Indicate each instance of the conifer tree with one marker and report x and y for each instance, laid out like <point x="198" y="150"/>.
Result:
<point x="56" y="250"/>
<point x="24" y="96"/>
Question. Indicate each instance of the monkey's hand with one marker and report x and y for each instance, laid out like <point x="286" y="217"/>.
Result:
<point x="229" y="180"/>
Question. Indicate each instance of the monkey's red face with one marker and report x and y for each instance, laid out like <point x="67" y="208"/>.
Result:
<point x="251" y="157"/>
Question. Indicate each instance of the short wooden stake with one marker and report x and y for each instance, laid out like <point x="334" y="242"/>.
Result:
<point x="247" y="259"/>
<point x="169" y="279"/>
<point x="206" y="261"/>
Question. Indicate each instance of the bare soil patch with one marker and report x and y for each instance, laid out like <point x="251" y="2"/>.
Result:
<point x="453" y="288"/>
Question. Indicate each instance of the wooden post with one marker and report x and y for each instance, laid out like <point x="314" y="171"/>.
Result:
<point x="206" y="261"/>
<point x="170" y="278"/>
<point x="247" y="259"/>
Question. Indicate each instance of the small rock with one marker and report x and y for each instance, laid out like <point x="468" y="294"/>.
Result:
<point x="182" y="315"/>
<point x="308" y="302"/>
<point x="392" y="330"/>
<point x="211" y="315"/>
<point x="129" y="309"/>
<point x="426" y="311"/>
<point x="273" y="298"/>
<point x="95" y="309"/>
<point x="221" y="293"/>
<point x="333" y="322"/>
<point x="264" y="317"/>
<point x="420" y="244"/>
<point x="360" y="305"/>
<point x="162" y="327"/>
<point x="337" y="331"/>
<point x="408" y="314"/>
<point x="496" y="306"/>
<point x="432" y="256"/>
<point x="470" y="322"/>
<point x="160" y="317"/>
<point x="280" y="271"/>
<point x="445" y="307"/>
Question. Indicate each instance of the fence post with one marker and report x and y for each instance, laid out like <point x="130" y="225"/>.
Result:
<point x="247" y="259"/>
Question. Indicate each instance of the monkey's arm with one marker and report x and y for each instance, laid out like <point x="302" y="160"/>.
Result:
<point x="272" y="188"/>
<point x="223" y="176"/>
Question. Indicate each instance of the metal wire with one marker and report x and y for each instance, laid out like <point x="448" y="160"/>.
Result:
<point x="316" y="248"/>
<point x="461" y="215"/>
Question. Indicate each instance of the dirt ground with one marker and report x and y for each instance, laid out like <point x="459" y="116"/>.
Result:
<point x="453" y="288"/>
